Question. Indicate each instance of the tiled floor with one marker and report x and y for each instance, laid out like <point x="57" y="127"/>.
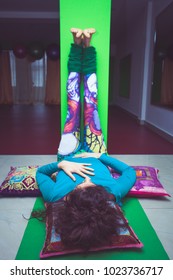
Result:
<point x="12" y="223"/>
<point x="35" y="130"/>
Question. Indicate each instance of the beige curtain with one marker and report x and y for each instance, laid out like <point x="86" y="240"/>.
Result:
<point x="28" y="80"/>
<point x="22" y="90"/>
<point x="6" y="94"/>
<point x="167" y="83"/>
<point x="53" y="82"/>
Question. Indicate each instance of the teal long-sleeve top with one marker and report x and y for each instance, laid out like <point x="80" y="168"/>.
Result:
<point x="55" y="190"/>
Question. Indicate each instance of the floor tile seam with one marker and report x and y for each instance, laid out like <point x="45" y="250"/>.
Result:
<point x="162" y="206"/>
<point x="160" y="234"/>
<point x="157" y="208"/>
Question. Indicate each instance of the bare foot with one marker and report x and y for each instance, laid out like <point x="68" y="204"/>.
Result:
<point x="88" y="35"/>
<point x="77" y="35"/>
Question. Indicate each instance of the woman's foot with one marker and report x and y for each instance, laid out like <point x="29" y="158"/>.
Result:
<point x="77" y="35"/>
<point x="87" y="35"/>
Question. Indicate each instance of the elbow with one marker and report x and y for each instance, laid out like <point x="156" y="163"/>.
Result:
<point x="133" y="175"/>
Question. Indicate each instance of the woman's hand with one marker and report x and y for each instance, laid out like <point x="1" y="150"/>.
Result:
<point x="81" y="169"/>
<point x="86" y="155"/>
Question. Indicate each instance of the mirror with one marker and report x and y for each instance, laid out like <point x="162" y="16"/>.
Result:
<point x="162" y="84"/>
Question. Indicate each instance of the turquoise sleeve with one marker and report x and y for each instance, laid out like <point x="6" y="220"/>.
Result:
<point x="125" y="182"/>
<point x="49" y="169"/>
<point x="44" y="181"/>
<point x="127" y="176"/>
<point x="114" y="163"/>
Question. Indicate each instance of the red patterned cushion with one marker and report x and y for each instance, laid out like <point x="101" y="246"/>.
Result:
<point x="54" y="247"/>
<point x="20" y="181"/>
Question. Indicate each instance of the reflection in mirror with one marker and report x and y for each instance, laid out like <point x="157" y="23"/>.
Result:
<point x="125" y="73"/>
<point x="162" y="85"/>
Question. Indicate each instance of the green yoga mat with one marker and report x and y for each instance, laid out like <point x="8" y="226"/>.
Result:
<point x="34" y="237"/>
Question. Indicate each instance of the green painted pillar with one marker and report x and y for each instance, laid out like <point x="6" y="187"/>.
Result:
<point x="86" y="14"/>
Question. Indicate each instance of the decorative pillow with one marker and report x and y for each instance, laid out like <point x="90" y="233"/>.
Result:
<point x="20" y="181"/>
<point x="54" y="247"/>
<point x="147" y="183"/>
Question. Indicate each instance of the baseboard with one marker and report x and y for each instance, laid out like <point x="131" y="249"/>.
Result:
<point x="155" y="129"/>
<point x="160" y="132"/>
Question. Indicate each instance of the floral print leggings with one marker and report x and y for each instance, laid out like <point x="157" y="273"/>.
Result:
<point x="93" y="140"/>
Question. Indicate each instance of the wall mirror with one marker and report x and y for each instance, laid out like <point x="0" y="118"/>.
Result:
<point x="162" y="83"/>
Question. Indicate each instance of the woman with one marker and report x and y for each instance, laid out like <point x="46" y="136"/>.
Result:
<point x="84" y="192"/>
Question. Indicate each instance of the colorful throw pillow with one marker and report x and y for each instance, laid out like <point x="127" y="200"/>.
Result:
<point x="20" y="181"/>
<point x="147" y="183"/>
<point x="54" y="247"/>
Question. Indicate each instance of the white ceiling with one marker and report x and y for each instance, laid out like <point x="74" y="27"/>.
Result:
<point x="27" y="21"/>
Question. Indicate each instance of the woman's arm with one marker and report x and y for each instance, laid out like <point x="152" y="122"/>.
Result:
<point x="48" y="169"/>
<point x="127" y="174"/>
<point x="45" y="182"/>
<point x="86" y="155"/>
<point x="116" y="164"/>
<point x="81" y="169"/>
<point x="68" y="167"/>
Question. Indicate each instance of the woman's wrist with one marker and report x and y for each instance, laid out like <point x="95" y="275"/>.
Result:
<point x="98" y="155"/>
<point x="61" y="164"/>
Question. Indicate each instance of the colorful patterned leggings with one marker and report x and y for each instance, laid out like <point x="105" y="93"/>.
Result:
<point x="93" y="140"/>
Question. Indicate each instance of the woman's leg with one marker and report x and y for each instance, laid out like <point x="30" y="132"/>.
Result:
<point x="70" y="139"/>
<point x="93" y="136"/>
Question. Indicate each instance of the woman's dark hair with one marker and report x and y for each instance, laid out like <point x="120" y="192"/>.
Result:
<point x="86" y="218"/>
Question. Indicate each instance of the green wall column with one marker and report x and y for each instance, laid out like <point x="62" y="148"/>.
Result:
<point x="86" y="14"/>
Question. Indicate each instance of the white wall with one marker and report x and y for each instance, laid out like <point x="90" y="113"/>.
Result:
<point x="136" y="42"/>
<point x="132" y="42"/>
<point x="158" y="116"/>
